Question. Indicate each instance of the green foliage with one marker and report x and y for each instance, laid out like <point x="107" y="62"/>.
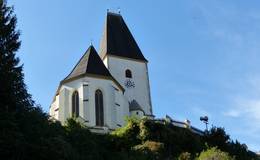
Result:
<point x="13" y="93"/>
<point x="128" y="135"/>
<point x="138" y="132"/>
<point x="217" y="137"/>
<point x="151" y="149"/>
<point x="240" y="151"/>
<point x="185" y="156"/>
<point x="214" y="154"/>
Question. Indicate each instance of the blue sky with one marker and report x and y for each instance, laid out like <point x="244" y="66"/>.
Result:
<point x="204" y="56"/>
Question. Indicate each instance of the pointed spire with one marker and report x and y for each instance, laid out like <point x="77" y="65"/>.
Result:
<point x="90" y="63"/>
<point x="91" y="42"/>
<point x="117" y="40"/>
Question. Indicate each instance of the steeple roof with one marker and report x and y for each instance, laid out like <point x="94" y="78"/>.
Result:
<point x="90" y="63"/>
<point x="117" y="40"/>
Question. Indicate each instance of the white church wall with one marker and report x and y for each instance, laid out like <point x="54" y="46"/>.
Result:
<point x="86" y="88"/>
<point x="56" y="108"/>
<point x="112" y="111"/>
<point x="105" y="61"/>
<point x="118" y="107"/>
<point x="52" y="112"/>
<point x="122" y="108"/>
<point x="86" y="103"/>
<point x="81" y="102"/>
<point x="63" y="105"/>
<point x="141" y="91"/>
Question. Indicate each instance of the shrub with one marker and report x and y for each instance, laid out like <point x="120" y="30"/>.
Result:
<point x="151" y="149"/>
<point x="185" y="156"/>
<point x="214" y="154"/>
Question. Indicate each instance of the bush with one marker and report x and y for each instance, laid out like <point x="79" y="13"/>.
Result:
<point x="185" y="156"/>
<point x="214" y="154"/>
<point x="151" y="149"/>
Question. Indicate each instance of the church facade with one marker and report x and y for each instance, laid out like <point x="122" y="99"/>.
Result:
<point x="102" y="89"/>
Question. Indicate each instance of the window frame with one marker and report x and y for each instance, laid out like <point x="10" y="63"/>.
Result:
<point x="128" y="73"/>
<point x="75" y="104"/>
<point x="99" y="108"/>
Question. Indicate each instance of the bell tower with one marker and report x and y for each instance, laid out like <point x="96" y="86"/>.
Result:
<point x="125" y="61"/>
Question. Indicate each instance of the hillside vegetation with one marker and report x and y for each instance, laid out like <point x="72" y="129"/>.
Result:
<point x="27" y="133"/>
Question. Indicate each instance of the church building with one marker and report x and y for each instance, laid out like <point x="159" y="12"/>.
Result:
<point x="103" y="88"/>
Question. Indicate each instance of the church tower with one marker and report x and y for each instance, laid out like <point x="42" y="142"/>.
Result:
<point x="101" y="90"/>
<point x="125" y="61"/>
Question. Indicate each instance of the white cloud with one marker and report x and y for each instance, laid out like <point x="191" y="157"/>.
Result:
<point x="250" y="108"/>
<point x="246" y="104"/>
<point x="244" y="112"/>
<point x="232" y="113"/>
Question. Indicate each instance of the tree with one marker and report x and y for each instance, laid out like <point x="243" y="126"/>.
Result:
<point x="13" y="93"/>
<point x="217" y="137"/>
<point x="14" y="97"/>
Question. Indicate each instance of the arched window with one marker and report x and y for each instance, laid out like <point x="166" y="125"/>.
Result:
<point x="128" y="74"/>
<point x="99" y="108"/>
<point x="75" y="104"/>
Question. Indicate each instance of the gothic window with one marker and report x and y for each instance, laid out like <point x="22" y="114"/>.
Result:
<point x="128" y="74"/>
<point x="99" y="108"/>
<point x="75" y="104"/>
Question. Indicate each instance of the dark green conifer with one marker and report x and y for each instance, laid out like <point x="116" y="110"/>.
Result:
<point x="13" y="93"/>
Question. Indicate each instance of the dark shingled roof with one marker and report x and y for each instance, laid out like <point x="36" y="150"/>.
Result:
<point x="118" y="40"/>
<point x="134" y="106"/>
<point x="90" y="63"/>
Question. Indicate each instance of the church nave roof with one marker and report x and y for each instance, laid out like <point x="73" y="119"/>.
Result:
<point x="89" y="63"/>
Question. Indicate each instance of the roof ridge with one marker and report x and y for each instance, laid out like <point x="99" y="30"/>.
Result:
<point x="114" y="13"/>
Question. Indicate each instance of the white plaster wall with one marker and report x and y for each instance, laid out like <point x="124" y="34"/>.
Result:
<point x="122" y="108"/>
<point x="52" y="113"/>
<point x="105" y="61"/>
<point x="86" y="110"/>
<point x="54" y="109"/>
<point x="141" y="91"/>
<point x="63" y="105"/>
<point x="86" y="88"/>
<point x="112" y="111"/>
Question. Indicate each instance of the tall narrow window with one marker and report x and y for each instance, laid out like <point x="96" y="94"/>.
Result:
<point x="99" y="108"/>
<point x="128" y="74"/>
<point x="75" y="104"/>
